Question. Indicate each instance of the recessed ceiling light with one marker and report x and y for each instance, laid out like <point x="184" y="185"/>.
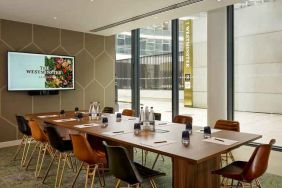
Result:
<point x="91" y="0"/>
<point x="218" y="0"/>
<point x="55" y="18"/>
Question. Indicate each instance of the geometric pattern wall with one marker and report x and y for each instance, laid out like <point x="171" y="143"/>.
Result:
<point x="94" y="71"/>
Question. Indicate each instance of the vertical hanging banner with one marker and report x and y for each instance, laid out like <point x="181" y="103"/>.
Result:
<point x="188" y="63"/>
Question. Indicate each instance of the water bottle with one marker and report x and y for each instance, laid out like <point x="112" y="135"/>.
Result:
<point x="98" y="110"/>
<point x="151" y="115"/>
<point x="152" y="119"/>
<point x="147" y="113"/>
<point x="142" y="114"/>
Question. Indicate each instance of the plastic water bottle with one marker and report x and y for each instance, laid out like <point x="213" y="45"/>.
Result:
<point x="142" y="114"/>
<point x="151" y="115"/>
<point x="147" y="113"/>
<point x="152" y="119"/>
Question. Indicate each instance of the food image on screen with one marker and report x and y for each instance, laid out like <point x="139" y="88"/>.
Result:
<point x="58" y="72"/>
<point x="28" y="71"/>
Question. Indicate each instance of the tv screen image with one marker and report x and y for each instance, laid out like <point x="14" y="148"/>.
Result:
<point x="28" y="72"/>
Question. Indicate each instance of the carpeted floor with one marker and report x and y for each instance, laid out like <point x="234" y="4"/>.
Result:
<point x="12" y="175"/>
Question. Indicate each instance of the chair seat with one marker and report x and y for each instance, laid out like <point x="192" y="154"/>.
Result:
<point x="233" y="170"/>
<point x="147" y="172"/>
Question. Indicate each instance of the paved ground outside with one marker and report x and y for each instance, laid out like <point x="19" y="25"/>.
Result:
<point x="268" y="125"/>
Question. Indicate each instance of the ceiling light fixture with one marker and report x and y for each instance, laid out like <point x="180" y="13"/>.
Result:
<point x="55" y="18"/>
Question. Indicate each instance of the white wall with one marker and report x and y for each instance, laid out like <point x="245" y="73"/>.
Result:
<point x="258" y="58"/>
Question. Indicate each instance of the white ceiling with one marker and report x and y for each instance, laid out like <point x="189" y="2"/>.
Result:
<point x="85" y="15"/>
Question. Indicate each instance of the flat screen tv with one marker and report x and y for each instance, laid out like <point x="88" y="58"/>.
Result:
<point x="40" y="72"/>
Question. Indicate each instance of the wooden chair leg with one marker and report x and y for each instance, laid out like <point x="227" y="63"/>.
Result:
<point x="258" y="183"/>
<point x="19" y="148"/>
<point x="118" y="183"/>
<point x="49" y="167"/>
<point x="28" y="141"/>
<point x="32" y="153"/>
<point x="93" y="175"/>
<point x="40" y="159"/>
<point x="152" y="183"/>
<point x="77" y="174"/>
<point x="63" y="170"/>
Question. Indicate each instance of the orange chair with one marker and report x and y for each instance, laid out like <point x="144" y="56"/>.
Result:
<point x="91" y="159"/>
<point x="41" y="144"/>
<point x="248" y="171"/>
<point x="229" y="126"/>
<point x="182" y="119"/>
<point x="128" y="112"/>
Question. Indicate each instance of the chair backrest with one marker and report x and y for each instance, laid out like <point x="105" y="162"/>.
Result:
<point x="54" y="138"/>
<point x="23" y="125"/>
<point x="128" y="112"/>
<point x="158" y="116"/>
<point x="258" y="162"/>
<point x="227" y="125"/>
<point x="36" y="132"/>
<point x="109" y="110"/>
<point x="182" y="119"/>
<point x="120" y="164"/>
<point x="82" y="149"/>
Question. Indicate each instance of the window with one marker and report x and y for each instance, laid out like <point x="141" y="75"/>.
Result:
<point x="155" y="65"/>
<point x="123" y="70"/>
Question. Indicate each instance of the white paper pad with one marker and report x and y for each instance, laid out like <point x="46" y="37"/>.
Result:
<point x="114" y="133"/>
<point x="224" y="141"/>
<point x="155" y="145"/>
<point x="48" y="116"/>
<point x="87" y="125"/>
<point x="64" y="120"/>
<point x="212" y="130"/>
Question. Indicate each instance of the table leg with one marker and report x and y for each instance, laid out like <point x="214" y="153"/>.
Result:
<point x="187" y="174"/>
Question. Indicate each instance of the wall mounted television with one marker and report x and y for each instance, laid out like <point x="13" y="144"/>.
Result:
<point x="40" y="72"/>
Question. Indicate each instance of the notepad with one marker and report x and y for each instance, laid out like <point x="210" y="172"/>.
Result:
<point x="87" y="125"/>
<point x="221" y="141"/>
<point x="64" y="120"/>
<point x="157" y="143"/>
<point x="48" y="116"/>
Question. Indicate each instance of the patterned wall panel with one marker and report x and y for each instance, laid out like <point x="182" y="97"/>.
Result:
<point x="94" y="68"/>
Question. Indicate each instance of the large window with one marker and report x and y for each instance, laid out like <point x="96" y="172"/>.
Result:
<point x="123" y="70"/>
<point x="193" y="67"/>
<point x="155" y="68"/>
<point x="258" y="68"/>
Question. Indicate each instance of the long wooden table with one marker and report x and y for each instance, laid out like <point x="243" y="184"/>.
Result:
<point x="191" y="165"/>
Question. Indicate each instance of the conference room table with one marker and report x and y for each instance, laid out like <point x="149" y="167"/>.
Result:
<point x="191" y="165"/>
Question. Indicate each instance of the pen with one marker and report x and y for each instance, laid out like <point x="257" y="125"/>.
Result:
<point x="162" y="123"/>
<point x="219" y="139"/>
<point x="118" y="132"/>
<point x="158" y="142"/>
<point x="202" y="130"/>
<point x="132" y="119"/>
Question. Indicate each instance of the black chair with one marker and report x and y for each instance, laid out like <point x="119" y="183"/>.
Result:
<point x="26" y="139"/>
<point x="62" y="151"/>
<point x="107" y="109"/>
<point x="124" y="169"/>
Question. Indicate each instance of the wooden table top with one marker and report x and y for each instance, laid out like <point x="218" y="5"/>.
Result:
<point x="196" y="152"/>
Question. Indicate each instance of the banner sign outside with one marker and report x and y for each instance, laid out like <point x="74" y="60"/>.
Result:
<point x="188" y="63"/>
